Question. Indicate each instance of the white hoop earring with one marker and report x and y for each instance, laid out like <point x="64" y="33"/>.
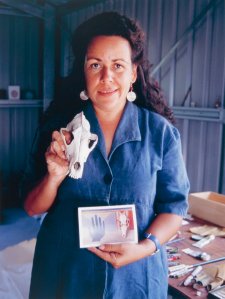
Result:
<point x="131" y="96"/>
<point x="83" y="95"/>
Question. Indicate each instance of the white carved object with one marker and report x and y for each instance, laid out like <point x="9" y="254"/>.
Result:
<point x="79" y="142"/>
<point x="123" y="222"/>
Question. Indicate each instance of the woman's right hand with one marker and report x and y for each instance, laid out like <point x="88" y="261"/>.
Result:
<point x="57" y="163"/>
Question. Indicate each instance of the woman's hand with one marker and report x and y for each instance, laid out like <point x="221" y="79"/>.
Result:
<point x="123" y="254"/>
<point x="55" y="157"/>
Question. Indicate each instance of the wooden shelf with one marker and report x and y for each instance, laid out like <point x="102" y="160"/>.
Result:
<point x="21" y="103"/>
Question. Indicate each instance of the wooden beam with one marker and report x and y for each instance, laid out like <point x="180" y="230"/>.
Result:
<point x="25" y="6"/>
<point x="75" y="5"/>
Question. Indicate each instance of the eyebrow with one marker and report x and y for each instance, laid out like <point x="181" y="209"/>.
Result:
<point x="99" y="59"/>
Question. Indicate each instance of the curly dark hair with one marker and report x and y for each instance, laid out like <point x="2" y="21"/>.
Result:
<point x="149" y="94"/>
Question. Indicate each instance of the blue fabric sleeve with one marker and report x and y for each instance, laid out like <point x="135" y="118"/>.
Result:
<point x="172" y="181"/>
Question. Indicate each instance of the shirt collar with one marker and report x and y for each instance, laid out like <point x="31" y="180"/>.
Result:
<point x="127" y="130"/>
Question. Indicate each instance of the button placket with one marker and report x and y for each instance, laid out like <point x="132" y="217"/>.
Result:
<point x="108" y="179"/>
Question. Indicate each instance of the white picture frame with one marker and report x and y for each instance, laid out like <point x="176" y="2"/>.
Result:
<point x="107" y="225"/>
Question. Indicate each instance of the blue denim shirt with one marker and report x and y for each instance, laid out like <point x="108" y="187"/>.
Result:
<point x="145" y="167"/>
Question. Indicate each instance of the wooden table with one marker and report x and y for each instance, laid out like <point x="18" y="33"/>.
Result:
<point x="216" y="249"/>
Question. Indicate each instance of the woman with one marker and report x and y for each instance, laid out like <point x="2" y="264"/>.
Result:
<point x="137" y="161"/>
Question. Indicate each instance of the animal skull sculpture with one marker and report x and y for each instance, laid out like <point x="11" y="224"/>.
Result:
<point x="123" y="222"/>
<point x="79" y="142"/>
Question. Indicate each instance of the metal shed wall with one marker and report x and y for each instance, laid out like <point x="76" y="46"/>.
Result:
<point x="20" y="60"/>
<point x="19" y="65"/>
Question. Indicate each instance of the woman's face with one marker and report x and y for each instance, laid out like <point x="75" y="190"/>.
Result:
<point x="109" y="72"/>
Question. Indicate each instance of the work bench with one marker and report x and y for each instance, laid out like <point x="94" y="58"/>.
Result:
<point x="216" y="249"/>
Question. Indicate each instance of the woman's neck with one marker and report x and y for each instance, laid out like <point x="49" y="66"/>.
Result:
<point x="108" y="121"/>
<point x="108" y="116"/>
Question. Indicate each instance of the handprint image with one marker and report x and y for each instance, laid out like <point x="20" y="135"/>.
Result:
<point x="97" y="229"/>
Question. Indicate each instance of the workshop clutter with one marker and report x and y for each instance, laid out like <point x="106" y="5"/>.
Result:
<point x="211" y="277"/>
<point x="204" y="274"/>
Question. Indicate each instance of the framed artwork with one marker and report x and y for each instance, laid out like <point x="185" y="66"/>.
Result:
<point x="14" y="92"/>
<point x="107" y="225"/>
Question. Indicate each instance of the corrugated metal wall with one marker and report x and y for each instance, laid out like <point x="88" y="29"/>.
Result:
<point x="198" y="63"/>
<point x="19" y="65"/>
<point x="17" y="128"/>
<point x="19" y="53"/>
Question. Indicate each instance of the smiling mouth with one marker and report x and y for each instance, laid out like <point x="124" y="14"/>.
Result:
<point x="107" y="92"/>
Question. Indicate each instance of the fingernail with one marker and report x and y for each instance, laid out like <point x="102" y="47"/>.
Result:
<point x="63" y="147"/>
<point x="102" y="247"/>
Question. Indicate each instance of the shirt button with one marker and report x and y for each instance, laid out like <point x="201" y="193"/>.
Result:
<point x="107" y="179"/>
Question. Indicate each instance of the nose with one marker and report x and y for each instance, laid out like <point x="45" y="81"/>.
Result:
<point x="107" y="75"/>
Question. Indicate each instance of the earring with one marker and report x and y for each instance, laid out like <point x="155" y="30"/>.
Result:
<point x="83" y="95"/>
<point x="131" y="96"/>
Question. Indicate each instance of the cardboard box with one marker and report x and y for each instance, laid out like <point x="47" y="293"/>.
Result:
<point x="209" y="206"/>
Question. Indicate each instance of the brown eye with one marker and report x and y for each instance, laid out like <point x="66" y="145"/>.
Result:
<point x="118" y="66"/>
<point x="95" y="66"/>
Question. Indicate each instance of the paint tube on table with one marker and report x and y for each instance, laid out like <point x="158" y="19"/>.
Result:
<point x="197" y="254"/>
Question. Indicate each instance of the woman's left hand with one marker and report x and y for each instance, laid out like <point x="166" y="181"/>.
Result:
<point x="123" y="254"/>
